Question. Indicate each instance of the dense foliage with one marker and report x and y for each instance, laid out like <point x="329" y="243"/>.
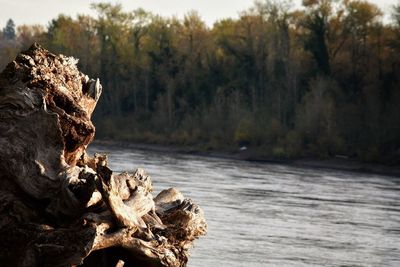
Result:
<point x="322" y="80"/>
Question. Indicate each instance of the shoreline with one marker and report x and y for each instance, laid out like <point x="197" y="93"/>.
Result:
<point x="341" y="164"/>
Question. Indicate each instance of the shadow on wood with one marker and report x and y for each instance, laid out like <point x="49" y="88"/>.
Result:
<point x="61" y="207"/>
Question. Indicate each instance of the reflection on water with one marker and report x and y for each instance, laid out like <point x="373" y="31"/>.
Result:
<point x="277" y="215"/>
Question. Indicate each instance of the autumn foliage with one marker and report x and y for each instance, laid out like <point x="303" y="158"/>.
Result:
<point x="320" y="80"/>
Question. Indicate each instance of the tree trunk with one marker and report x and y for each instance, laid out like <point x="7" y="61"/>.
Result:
<point x="60" y="207"/>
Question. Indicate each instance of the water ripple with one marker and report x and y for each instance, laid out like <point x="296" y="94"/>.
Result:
<point x="277" y="215"/>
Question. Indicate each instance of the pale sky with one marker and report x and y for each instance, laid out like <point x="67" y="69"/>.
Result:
<point x="42" y="11"/>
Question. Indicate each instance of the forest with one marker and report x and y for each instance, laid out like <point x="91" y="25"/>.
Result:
<point x="321" y="80"/>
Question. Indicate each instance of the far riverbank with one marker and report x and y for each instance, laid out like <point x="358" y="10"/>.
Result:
<point x="334" y="163"/>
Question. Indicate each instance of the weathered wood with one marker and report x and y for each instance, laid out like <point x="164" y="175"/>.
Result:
<point x="61" y="207"/>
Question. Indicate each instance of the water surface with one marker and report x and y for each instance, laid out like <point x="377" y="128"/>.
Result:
<point x="276" y="215"/>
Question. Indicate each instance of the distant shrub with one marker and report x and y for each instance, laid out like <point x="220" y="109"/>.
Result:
<point x="279" y="152"/>
<point x="243" y="132"/>
<point x="294" y="144"/>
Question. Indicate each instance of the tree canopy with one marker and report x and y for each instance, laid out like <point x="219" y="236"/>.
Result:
<point x="9" y="30"/>
<point x="322" y="80"/>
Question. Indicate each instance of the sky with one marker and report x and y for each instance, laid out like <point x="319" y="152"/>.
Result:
<point x="42" y="11"/>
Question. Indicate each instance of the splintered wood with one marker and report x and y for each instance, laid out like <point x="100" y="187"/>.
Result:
<point x="58" y="205"/>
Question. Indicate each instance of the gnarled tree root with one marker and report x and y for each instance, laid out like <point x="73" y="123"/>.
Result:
<point x="60" y="207"/>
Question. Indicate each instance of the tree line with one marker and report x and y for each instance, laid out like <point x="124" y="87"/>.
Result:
<point x="320" y="80"/>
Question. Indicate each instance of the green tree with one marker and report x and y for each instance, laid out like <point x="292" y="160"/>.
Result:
<point x="316" y="20"/>
<point x="9" y="30"/>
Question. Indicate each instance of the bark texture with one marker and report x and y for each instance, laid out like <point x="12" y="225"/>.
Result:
<point x="61" y="207"/>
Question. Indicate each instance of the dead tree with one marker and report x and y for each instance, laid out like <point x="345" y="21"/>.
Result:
<point x="60" y="207"/>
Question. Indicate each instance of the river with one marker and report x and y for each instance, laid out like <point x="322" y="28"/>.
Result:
<point x="262" y="214"/>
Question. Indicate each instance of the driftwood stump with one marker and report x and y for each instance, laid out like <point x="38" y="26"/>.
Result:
<point x="60" y="207"/>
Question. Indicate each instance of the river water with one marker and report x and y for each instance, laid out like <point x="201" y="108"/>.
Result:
<point x="262" y="214"/>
